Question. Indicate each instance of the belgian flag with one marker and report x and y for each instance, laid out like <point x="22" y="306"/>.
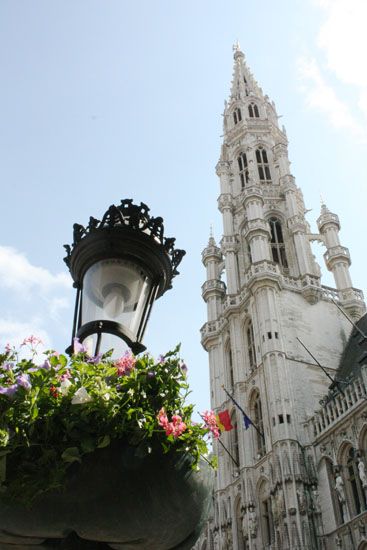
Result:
<point x="224" y="421"/>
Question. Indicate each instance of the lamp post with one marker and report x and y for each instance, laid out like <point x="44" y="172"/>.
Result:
<point x="120" y="265"/>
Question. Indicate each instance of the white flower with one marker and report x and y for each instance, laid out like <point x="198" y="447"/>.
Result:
<point x="65" y="386"/>
<point x="81" y="396"/>
<point x="130" y="392"/>
<point x="106" y="397"/>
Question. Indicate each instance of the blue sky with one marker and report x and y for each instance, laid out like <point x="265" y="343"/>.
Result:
<point x="103" y="100"/>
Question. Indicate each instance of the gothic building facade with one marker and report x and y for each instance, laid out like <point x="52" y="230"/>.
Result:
<point x="276" y="337"/>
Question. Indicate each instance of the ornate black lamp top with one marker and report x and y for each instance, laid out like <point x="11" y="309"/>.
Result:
<point x="122" y="230"/>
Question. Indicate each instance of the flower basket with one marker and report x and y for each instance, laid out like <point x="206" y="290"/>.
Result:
<point x="102" y="448"/>
<point x="121" y="498"/>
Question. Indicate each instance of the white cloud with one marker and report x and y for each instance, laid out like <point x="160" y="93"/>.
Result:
<point x="14" y="332"/>
<point x="19" y="275"/>
<point x="343" y="38"/>
<point x="34" y="301"/>
<point x="322" y="97"/>
<point x="342" y="42"/>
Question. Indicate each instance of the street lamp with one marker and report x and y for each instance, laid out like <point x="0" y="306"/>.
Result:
<point x="119" y="265"/>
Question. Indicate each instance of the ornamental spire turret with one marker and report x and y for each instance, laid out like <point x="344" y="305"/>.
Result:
<point x="337" y="260"/>
<point x="213" y="289"/>
<point x="243" y="82"/>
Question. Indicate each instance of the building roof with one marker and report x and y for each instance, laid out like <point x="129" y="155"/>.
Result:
<point x="355" y="352"/>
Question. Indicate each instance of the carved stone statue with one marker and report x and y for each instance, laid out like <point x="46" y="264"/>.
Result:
<point x="302" y="504"/>
<point x="252" y="522"/>
<point x="244" y="527"/>
<point x="339" y="488"/>
<point x="316" y="499"/>
<point x="216" y="540"/>
<point x="362" y="473"/>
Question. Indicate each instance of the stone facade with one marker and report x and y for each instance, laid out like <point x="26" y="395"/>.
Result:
<point x="295" y="479"/>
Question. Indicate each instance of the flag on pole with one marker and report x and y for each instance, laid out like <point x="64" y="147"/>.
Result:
<point x="246" y="421"/>
<point x="224" y="421"/>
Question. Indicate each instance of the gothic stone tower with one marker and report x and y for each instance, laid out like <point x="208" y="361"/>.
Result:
<point x="272" y="296"/>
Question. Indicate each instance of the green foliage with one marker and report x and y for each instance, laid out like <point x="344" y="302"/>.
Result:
<point x="52" y="415"/>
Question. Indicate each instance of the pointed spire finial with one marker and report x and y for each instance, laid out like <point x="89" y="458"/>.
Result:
<point x="324" y="208"/>
<point x="236" y="46"/>
<point x="237" y="50"/>
<point x="211" y="236"/>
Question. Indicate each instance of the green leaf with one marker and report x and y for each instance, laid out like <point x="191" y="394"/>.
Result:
<point x="71" y="455"/>
<point x="63" y="360"/>
<point x="103" y="441"/>
<point x="87" y="444"/>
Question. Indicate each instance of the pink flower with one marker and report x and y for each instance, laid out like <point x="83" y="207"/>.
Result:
<point x="162" y="418"/>
<point x="211" y="423"/>
<point x="175" y="428"/>
<point x="125" y="364"/>
<point x="32" y="341"/>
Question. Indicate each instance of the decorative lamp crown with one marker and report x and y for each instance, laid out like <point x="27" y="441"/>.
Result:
<point x="119" y="265"/>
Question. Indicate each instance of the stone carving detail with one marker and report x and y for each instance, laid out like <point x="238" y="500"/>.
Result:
<point x="362" y="473"/>
<point x="252" y="522"/>
<point x="340" y="493"/>
<point x="316" y="500"/>
<point x="339" y="488"/>
<point x="296" y="466"/>
<point x="278" y="471"/>
<point x="286" y="467"/>
<point x="302" y="502"/>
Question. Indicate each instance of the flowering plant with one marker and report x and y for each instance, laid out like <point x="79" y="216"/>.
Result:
<point x="53" y="414"/>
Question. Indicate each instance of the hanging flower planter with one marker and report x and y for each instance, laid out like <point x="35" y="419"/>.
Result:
<point x="103" y="448"/>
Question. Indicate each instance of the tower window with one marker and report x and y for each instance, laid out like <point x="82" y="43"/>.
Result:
<point x="237" y="116"/>
<point x="243" y="169"/>
<point x="277" y="243"/>
<point x="253" y="110"/>
<point x="229" y="361"/>
<point x="258" y="419"/>
<point x="234" y="439"/>
<point x="251" y="346"/>
<point x="263" y="165"/>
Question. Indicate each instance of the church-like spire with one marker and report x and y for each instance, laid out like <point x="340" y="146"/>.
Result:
<point x="243" y="83"/>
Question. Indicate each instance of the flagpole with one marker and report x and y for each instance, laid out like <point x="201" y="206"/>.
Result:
<point x="225" y="448"/>
<point x="349" y="319"/>
<point x="227" y="451"/>
<point x="243" y="412"/>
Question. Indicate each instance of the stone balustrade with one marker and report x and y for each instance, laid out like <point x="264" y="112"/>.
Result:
<point x="342" y="403"/>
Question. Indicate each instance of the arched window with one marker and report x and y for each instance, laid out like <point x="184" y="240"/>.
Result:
<point x="229" y="364"/>
<point x="277" y="243"/>
<point x="251" y="346"/>
<point x="237" y="116"/>
<point x="356" y="491"/>
<point x="253" y="110"/>
<point x="243" y="168"/>
<point x="257" y="418"/>
<point x="267" y="526"/>
<point x="263" y="165"/>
